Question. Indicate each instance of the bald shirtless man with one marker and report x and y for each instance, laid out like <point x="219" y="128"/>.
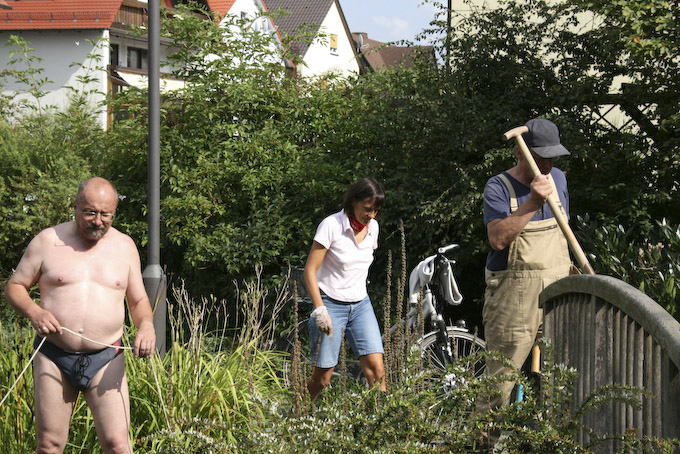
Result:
<point x="85" y="268"/>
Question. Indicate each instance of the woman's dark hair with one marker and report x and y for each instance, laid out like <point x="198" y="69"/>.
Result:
<point x="366" y="188"/>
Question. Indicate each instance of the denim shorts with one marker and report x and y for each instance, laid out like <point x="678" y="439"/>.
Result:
<point x="358" y="322"/>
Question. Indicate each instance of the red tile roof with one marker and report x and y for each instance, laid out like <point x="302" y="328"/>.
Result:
<point x="78" y="14"/>
<point x="59" y="14"/>
<point x="381" y="56"/>
<point x="221" y="7"/>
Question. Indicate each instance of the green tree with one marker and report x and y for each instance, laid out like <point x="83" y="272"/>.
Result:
<point x="44" y="154"/>
<point x="433" y="134"/>
<point x="245" y="171"/>
<point x="253" y="159"/>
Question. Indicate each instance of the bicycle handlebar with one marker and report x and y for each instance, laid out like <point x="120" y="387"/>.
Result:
<point x="445" y="249"/>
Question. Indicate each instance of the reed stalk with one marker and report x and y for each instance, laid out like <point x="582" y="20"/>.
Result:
<point x="387" y="324"/>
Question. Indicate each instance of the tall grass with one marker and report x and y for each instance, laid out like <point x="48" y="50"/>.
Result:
<point x="207" y="389"/>
<point x="218" y="391"/>
<point x="212" y="395"/>
<point x="17" y="430"/>
<point x="16" y="414"/>
<point x="399" y="344"/>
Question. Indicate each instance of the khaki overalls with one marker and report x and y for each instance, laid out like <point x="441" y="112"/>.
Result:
<point x="537" y="257"/>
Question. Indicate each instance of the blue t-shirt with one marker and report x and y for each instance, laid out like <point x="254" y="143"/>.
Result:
<point x="497" y="206"/>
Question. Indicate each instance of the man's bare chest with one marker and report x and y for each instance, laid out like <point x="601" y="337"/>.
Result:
<point x="64" y="266"/>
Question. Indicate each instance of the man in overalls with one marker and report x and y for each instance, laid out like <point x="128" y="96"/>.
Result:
<point x="528" y="252"/>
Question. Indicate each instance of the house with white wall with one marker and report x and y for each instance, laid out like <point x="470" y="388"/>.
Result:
<point x="333" y="52"/>
<point x="61" y="33"/>
<point x="86" y="40"/>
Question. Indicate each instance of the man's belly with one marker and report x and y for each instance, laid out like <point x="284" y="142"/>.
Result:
<point x="97" y="314"/>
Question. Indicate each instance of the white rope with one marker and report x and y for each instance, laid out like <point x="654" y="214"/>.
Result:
<point x="153" y="370"/>
<point x="97" y="342"/>
<point x="22" y="372"/>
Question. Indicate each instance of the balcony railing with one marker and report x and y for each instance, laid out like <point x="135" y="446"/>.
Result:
<point x="131" y="16"/>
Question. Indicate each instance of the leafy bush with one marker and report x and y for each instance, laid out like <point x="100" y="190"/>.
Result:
<point x="649" y="262"/>
<point x="252" y="158"/>
<point x="436" y="413"/>
<point x="44" y="154"/>
<point x="242" y="166"/>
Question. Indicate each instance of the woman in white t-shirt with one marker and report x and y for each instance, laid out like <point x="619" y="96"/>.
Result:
<point x="335" y="276"/>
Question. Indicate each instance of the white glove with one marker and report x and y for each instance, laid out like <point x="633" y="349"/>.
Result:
<point x="323" y="320"/>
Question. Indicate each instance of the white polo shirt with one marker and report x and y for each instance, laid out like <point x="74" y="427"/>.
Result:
<point x="344" y="270"/>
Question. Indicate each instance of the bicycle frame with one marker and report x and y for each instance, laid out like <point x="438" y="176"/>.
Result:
<point x="433" y="319"/>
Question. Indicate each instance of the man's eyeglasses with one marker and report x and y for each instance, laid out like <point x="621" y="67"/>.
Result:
<point x="93" y="214"/>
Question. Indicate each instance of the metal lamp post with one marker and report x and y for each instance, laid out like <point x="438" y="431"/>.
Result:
<point x="155" y="281"/>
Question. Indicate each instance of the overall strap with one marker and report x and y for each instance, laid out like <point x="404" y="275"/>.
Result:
<point x="513" y="196"/>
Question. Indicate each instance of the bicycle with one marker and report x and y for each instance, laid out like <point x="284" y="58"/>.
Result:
<point x="441" y="344"/>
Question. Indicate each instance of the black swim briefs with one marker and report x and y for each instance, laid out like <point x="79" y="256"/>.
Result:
<point x="79" y="368"/>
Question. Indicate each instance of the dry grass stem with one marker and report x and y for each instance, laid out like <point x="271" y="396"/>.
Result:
<point x="387" y="324"/>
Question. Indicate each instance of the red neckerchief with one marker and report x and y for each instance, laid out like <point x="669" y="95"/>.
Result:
<point x="356" y="225"/>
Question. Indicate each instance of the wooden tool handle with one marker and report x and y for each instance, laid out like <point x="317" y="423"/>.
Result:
<point x="560" y="216"/>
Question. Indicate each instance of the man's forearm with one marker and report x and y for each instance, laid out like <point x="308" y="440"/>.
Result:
<point x="502" y="232"/>
<point x="141" y="314"/>
<point x="17" y="296"/>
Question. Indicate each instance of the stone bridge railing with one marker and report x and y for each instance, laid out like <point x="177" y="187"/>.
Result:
<point x="613" y="333"/>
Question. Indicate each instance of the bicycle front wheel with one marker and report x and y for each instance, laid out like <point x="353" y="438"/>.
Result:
<point x="463" y="345"/>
